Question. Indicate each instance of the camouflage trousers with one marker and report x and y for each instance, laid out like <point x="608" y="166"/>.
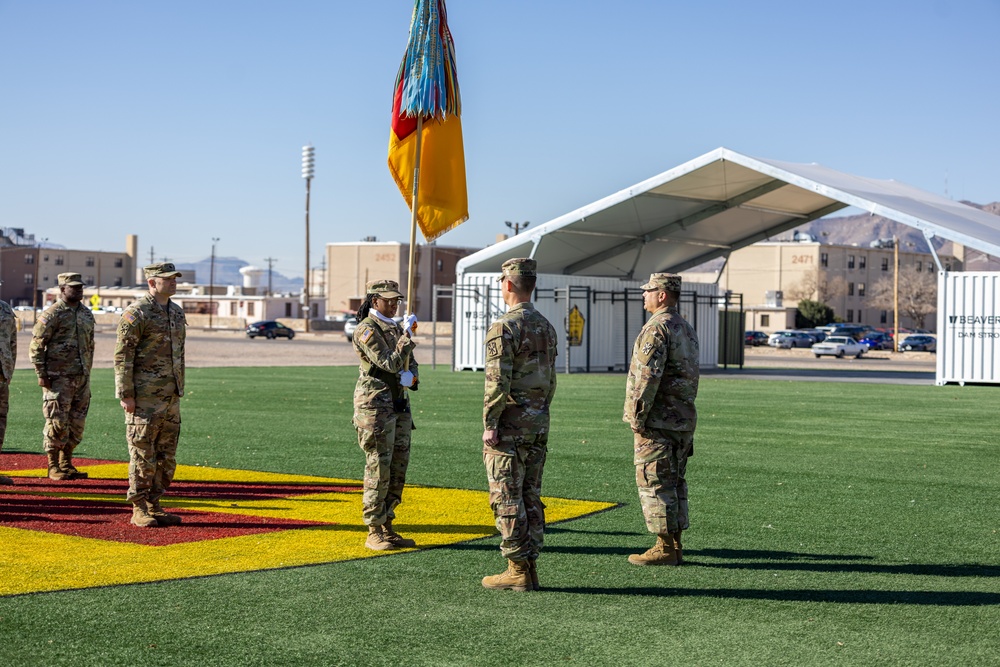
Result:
<point x="4" y="406"/>
<point x="387" y="456"/>
<point x="514" y="470"/>
<point x="65" y="404"/>
<point x="152" y="433"/>
<point x="660" y="465"/>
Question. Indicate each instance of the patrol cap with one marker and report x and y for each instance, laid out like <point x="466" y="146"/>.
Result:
<point x="387" y="289"/>
<point x="519" y="266"/>
<point x="667" y="282"/>
<point x="70" y="279"/>
<point x="161" y="270"/>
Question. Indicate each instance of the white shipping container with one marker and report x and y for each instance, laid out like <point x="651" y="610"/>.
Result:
<point x="610" y="327"/>
<point x="968" y="327"/>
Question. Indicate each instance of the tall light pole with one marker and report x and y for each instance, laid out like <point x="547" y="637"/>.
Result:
<point x="211" y="283"/>
<point x="516" y="226"/>
<point x="308" y="171"/>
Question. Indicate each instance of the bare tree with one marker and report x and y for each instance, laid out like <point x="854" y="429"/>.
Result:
<point x="917" y="294"/>
<point x="824" y="290"/>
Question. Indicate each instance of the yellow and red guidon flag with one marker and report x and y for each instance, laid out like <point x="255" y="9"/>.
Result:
<point x="428" y="80"/>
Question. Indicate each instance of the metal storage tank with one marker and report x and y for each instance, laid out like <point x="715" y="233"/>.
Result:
<point x="611" y="325"/>
<point x="968" y="327"/>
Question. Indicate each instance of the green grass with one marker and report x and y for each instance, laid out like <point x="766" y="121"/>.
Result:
<point x="844" y="524"/>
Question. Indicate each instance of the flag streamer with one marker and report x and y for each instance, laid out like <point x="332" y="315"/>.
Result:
<point x="428" y="72"/>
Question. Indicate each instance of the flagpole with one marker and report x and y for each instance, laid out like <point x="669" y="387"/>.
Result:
<point x="413" y="221"/>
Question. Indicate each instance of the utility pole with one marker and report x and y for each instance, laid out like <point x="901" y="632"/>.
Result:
<point x="270" y="262"/>
<point x="895" y="294"/>
<point x="152" y="257"/>
<point x="308" y="171"/>
<point x="211" y="283"/>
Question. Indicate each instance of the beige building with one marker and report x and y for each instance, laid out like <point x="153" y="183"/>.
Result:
<point x="28" y="271"/>
<point x="351" y="265"/>
<point x="774" y="276"/>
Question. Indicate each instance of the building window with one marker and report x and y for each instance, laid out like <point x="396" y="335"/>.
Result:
<point x="862" y="262"/>
<point x="861" y="289"/>
<point x="765" y="321"/>
<point x="850" y="315"/>
<point x="930" y="266"/>
<point x="250" y="309"/>
<point x="45" y="258"/>
<point x="29" y="278"/>
<point x="440" y="265"/>
<point x="118" y="263"/>
<point x="824" y="259"/>
<point x="118" y="282"/>
<point x="947" y="266"/>
<point x="883" y="317"/>
<point x="45" y="280"/>
<point x="59" y="260"/>
<point x="885" y="263"/>
<point x="89" y="261"/>
<point x="90" y="280"/>
<point x="850" y="261"/>
<point x="920" y="267"/>
<point x="850" y="289"/>
<point x="29" y="259"/>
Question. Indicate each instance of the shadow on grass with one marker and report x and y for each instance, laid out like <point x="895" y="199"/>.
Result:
<point x="922" y="598"/>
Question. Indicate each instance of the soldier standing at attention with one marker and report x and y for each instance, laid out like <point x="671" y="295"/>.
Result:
<point x="62" y="351"/>
<point x="382" y="409"/>
<point x="520" y="382"/>
<point x="149" y="381"/>
<point x="659" y="406"/>
<point x="8" y="353"/>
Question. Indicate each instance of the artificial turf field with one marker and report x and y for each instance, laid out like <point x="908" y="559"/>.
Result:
<point x="831" y="524"/>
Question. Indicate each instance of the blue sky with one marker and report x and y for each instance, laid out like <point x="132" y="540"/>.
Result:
<point x="182" y="121"/>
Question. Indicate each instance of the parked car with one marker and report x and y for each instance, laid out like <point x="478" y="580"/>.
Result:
<point x="840" y="347"/>
<point x="787" y="339"/>
<point x="876" y="340"/>
<point x="918" y="343"/>
<point x="349" y="326"/>
<point x="755" y="338"/>
<point x="270" y="329"/>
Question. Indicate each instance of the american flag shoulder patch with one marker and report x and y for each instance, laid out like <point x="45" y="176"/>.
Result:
<point x="129" y="317"/>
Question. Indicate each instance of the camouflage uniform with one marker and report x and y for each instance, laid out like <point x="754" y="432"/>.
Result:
<point x="149" y="367"/>
<point x="520" y="382"/>
<point x="659" y="406"/>
<point x="8" y="353"/>
<point x="382" y="410"/>
<point x="62" y="352"/>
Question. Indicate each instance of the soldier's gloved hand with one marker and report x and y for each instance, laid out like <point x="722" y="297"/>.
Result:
<point x="410" y="324"/>
<point x="406" y="379"/>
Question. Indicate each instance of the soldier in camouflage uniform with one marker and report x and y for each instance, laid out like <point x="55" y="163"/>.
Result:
<point x="520" y="382"/>
<point x="149" y="382"/>
<point x="382" y="410"/>
<point x="8" y="354"/>
<point x="659" y="406"/>
<point x="62" y="351"/>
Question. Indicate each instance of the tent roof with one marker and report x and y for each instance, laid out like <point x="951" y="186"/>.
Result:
<point x="717" y="203"/>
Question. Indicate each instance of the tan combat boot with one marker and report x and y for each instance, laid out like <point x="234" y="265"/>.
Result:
<point x="66" y="465"/>
<point x="395" y="538"/>
<point x="533" y="571"/>
<point x="377" y="540"/>
<point x="55" y="472"/>
<point x="162" y="518"/>
<point x="141" y="517"/>
<point x="517" y="577"/>
<point x="661" y="553"/>
<point x="677" y="547"/>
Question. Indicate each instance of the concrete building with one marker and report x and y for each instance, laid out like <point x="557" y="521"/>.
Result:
<point x="351" y="265"/>
<point x="27" y="271"/>
<point x="774" y="276"/>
